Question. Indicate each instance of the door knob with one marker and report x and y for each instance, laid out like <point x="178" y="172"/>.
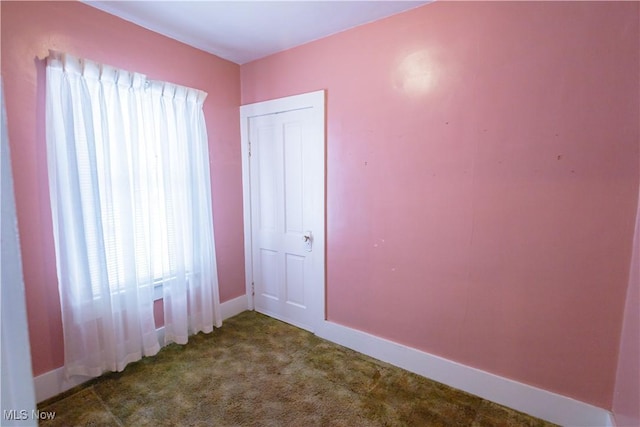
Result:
<point x="307" y="238"/>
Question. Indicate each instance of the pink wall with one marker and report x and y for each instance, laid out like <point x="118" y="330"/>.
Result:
<point x="29" y="29"/>
<point x="482" y="181"/>
<point x="626" y="400"/>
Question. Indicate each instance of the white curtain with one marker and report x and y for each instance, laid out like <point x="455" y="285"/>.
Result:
<point x="131" y="204"/>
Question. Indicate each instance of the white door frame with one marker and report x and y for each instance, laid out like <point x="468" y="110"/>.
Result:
<point x="315" y="101"/>
<point x="15" y="353"/>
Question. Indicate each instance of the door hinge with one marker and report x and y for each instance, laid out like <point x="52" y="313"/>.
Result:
<point x="249" y="148"/>
<point x="253" y="289"/>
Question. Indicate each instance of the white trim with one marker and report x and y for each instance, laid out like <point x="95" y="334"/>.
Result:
<point x="521" y="397"/>
<point x="53" y="382"/>
<point x="315" y="101"/>
<point x="281" y="105"/>
<point x="612" y="421"/>
<point x="17" y="392"/>
<point x="246" y="203"/>
<point x="233" y="307"/>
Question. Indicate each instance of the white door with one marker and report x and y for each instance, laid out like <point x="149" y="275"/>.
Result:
<point x="285" y="162"/>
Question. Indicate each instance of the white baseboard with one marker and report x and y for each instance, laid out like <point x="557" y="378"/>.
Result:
<point x="521" y="397"/>
<point x="234" y="306"/>
<point x="53" y="382"/>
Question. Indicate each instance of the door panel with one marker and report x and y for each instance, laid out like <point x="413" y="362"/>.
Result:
<point x="269" y="273"/>
<point x="294" y="166"/>
<point x="294" y="282"/>
<point x="267" y="180"/>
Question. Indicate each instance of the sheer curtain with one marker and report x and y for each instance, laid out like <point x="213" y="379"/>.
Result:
<point x="131" y="205"/>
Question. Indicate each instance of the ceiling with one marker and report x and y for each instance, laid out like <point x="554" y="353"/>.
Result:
<point x="242" y="31"/>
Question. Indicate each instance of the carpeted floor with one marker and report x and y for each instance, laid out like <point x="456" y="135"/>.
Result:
<point x="257" y="371"/>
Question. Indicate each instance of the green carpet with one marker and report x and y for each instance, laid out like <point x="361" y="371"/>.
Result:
<point x="257" y="371"/>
